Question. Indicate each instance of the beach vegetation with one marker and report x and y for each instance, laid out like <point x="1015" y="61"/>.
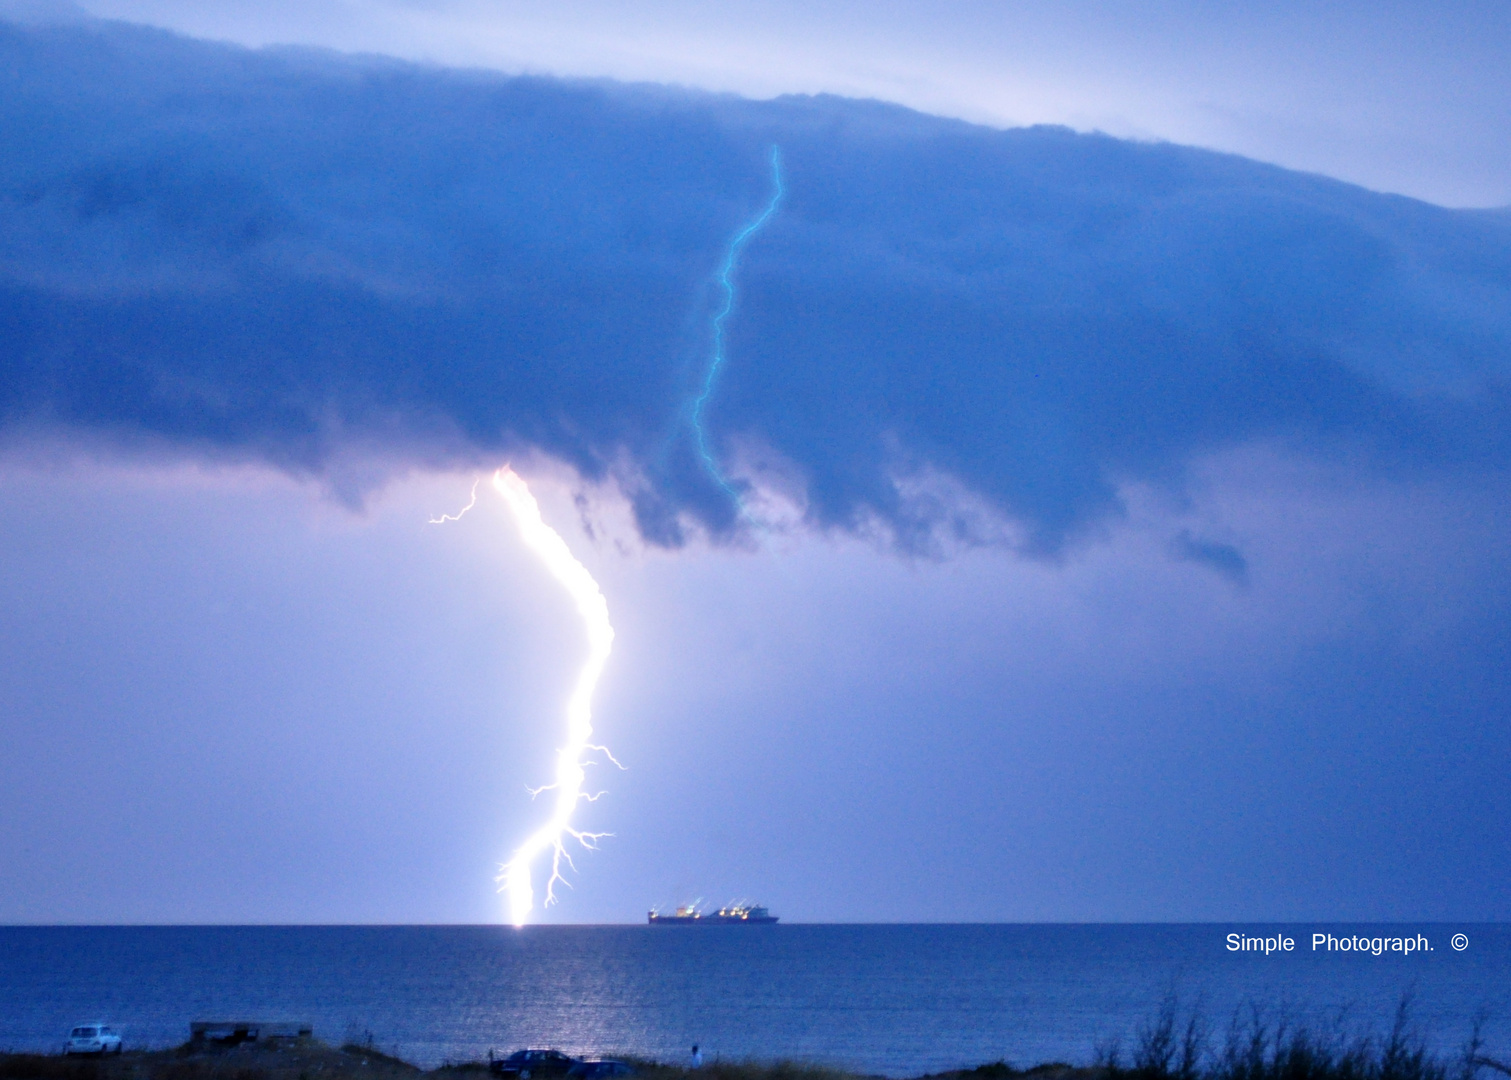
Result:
<point x="1177" y="1044"/>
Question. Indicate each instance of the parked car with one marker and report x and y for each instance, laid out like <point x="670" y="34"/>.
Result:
<point x="600" y="1070"/>
<point x="93" y="1039"/>
<point x="532" y="1064"/>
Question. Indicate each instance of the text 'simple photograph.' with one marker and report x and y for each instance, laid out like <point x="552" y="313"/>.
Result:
<point x="755" y="541"/>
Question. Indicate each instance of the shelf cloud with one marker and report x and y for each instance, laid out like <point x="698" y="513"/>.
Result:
<point x="297" y="257"/>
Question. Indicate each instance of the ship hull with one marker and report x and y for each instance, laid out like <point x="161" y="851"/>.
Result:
<point x="711" y="920"/>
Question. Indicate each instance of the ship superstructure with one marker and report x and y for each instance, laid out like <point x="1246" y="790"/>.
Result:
<point x="732" y="914"/>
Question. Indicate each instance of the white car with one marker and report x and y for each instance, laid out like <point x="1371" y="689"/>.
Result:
<point x="93" y="1039"/>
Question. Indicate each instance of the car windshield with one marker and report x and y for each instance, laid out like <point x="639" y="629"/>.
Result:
<point x="83" y="1032"/>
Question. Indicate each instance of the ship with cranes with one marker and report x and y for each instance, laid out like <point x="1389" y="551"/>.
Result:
<point x="735" y="913"/>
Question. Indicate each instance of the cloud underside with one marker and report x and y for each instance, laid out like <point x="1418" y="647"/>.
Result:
<point x="294" y="256"/>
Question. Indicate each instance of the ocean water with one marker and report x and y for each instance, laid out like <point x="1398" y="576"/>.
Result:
<point x="886" y="999"/>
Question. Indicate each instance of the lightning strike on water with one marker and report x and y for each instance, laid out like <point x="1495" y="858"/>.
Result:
<point x="716" y="361"/>
<point x="547" y="543"/>
<point x="594" y="609"/>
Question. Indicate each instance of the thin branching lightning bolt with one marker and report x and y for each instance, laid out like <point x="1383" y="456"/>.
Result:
<point x="458" y="515"/>
<point x="716" y="361"/>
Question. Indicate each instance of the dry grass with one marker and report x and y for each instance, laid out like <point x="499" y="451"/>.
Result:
<point x="1176" y="1046"/>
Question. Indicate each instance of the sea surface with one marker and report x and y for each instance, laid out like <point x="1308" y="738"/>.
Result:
<point x="886" y="999"/>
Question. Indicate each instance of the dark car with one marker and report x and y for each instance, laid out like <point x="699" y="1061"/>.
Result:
<point x="532" y="1064"/>
<point x="600" y="1070"/>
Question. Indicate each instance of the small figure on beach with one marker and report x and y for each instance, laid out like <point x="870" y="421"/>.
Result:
<point x="697" y="1057"/>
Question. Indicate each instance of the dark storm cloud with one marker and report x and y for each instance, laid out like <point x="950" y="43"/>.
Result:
<point x="287" y="255"/>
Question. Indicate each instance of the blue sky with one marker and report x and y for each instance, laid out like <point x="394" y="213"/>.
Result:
<point x="1132" y="514"/>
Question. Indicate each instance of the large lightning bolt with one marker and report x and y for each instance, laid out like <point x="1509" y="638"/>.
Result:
<point x="716" y="361"/>
<point x="594" y="609"/>
<point x="546" y="542"/>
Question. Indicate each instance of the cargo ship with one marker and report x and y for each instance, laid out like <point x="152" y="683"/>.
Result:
<point x="729" y="915"/>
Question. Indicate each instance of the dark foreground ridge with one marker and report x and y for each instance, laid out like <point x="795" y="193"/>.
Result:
<point x="1171" y="1047"/>
<point x="310" y="1059"/>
